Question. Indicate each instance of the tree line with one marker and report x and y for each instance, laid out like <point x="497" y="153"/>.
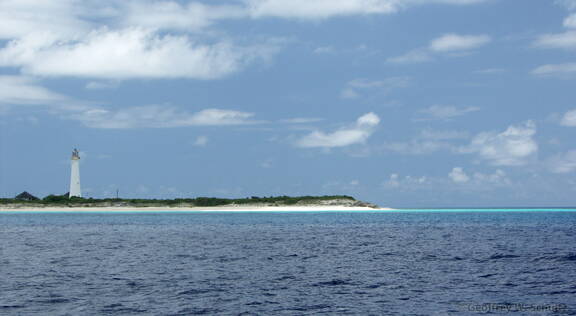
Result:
<point x="64" y="200"/>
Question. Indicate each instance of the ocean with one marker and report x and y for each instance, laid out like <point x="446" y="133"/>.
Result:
<point x="458" y="262"/>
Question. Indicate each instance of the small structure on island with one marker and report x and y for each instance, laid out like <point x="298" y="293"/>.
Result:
<point x="25" y="196"/>
<point x="75" y="189"/>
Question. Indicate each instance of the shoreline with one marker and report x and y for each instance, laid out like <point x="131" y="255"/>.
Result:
<point x="196" y="209"/>
<point x="262" y="209"/>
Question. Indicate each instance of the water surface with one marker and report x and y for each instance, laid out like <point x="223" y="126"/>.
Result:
<point x="334" y="263"/>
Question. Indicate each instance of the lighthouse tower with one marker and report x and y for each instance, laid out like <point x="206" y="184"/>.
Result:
<point x="75" y="175"/>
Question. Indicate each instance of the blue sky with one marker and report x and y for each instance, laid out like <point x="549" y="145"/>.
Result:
<point x="405" y="103"/>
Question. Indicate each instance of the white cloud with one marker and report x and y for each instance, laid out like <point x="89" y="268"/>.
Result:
<point x="192" y="16"/>
<point x="566" y="40"/>
<point x="129" y="53"/>
<point x="356" y="87"/>
<point x="459" y="2"/>
<point x="152" y="38"/>
<point x="417" y="146"/>
<point x="356" y="134"/>
<point x="567" y="70"/>
<point x="563" y="163"/>
<point x="159" y="117"/>
<point x="23" y="17"/>
<point x="72" y="18"/>
<point x="427" y="142"/>
<point x="24" y="90"/>
<point x="200" y="141"/>
<point x="395" y="181"/>
<point x="458" y="175"/>
<point x="319" y="9"/>
<point x="570" y="21"/>
<point x="101" y="85"/>
<point x="499" y="177"/>
<point x="267" y="164"/>
<point x="323" y="9"/>
<point x="478" y="180"/>
<point x="324" y="50"/>
<point x="392" y="182"/>
<point x="490" y="71"/>
<point x="513" y="147"/>
<point x="568" y="4"/>
<point x="569" y="119"/>
<point x="349" y="93"/>
<point x="411" y="57"/>
<point x="219" y="117"/>
<point x="447" y="44"/>
<point x="454" y="42"/>
<point x="457" y="181"/>
<point x="446" y="112"/>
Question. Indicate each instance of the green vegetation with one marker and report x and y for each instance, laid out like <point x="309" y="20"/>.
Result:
<point x="64" y="201"/>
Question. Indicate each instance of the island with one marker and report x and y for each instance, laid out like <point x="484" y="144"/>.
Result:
<point x="27" y="202"/>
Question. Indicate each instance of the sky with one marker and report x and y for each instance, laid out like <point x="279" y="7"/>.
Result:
<point x="403" y="103"/>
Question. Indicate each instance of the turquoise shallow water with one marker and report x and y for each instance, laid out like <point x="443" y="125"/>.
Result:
<point x="416" y="262"/>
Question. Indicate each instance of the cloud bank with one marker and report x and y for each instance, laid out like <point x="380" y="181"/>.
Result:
<point x="129" y="53"/>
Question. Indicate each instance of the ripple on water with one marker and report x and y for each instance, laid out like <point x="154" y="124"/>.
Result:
<point x="264" y="264"/>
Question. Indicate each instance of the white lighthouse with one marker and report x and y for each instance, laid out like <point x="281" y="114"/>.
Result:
<point x="75" y="175"/>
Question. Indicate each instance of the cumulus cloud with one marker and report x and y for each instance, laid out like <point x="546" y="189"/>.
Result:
<point x="129" y="53"/>
<point x="355" y="134"/>
<point x="125" y="39"/>
<point x="446" y="112"/>
<point x="478" y="180"/>
<point x="447" y="44"/>
<point x="454" y="42"/>
<point x="569" y="119"/>
<point x="458" y="175"/>
<point x="567" y="70"/>
<point x="563" y="163"/>
<point x="355" y="88"/>
<point x="513" y="147"/>
<point x="154" y="116"/>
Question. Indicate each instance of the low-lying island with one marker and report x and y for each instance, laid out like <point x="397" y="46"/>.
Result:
<point x="253" y="204"/>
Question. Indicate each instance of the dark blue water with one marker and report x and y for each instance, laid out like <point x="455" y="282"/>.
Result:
<point x="416" y="263"/>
